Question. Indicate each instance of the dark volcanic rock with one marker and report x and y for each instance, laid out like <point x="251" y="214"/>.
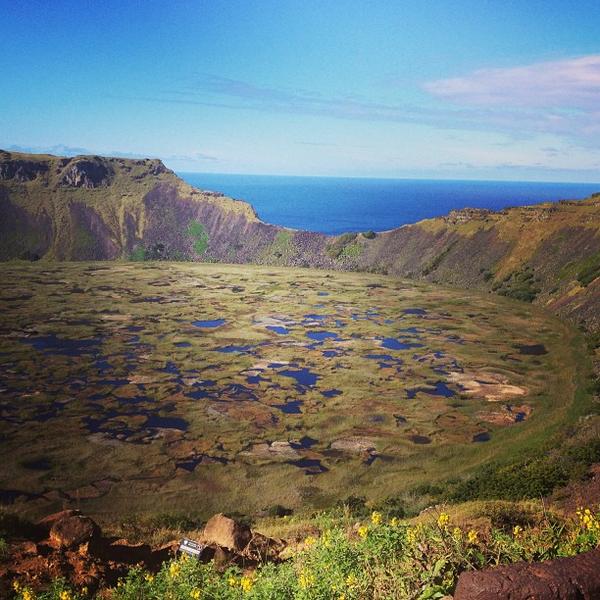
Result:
<point x="574" y="578"/>
<point x="86" y="173"/>
<point x="22" y="170"/>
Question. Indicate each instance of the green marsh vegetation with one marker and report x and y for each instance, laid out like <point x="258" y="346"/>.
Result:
<point x="256" y="386"/>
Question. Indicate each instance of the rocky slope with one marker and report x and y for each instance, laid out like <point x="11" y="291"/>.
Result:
<point x="72" y="547"/>
<point x="94" y="208"/>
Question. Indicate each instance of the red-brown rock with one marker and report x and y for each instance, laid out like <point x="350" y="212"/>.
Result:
<point x="574" y="578"/>
<point x="47" y="522"/>
<point x="72" y="531"/>
<point x="226" y="532"/>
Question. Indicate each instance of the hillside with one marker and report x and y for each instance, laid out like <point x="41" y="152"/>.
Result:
<point x="94" y="208"/>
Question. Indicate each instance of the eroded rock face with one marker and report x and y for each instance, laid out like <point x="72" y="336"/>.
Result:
<point x="226" y="532"/>
<point x="22" y="170"/>
<point x="86" y="173"/>
<point x="574" y="578"/>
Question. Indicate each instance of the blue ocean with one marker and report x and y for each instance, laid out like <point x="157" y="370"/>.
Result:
<point x="334" y="205"/>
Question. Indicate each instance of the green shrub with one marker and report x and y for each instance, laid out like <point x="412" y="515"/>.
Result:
<point x="282" y="246"/>
<point x="370" y="235"/>
<point x="279" y="511"/>
<point x="391" y="507"/>
<point x="356" y="506"/>
<point x="520" y="285"/>
<point x="515" y="482"/>
<point x="508" y="515"/>
<point x="138" y="254"/>
<point x="197" y="232"/>
<point x="336" y="248"/>
<point x="589" y="273"/>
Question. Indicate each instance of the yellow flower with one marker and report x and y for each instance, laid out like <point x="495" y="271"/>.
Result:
<point x="174" y="570"/>
<point x="517" y="530"/>
<point x="351" y="580"/>
<point x="27" y="594"/>
<point x="457" y="533"/>
<point x="195" y="594"/>
<point x="376" y="518"/>
<point x="342" y="597"/>
<point x="305" y="579"/>
<point x="411" y="535"/>
<point x="149" y="578"/>
<point x="394" y="522"/>
<point x="362" y="531"/>
<point x="16" y="586"/>
<point x="443" y="520"/>
<point x="309" y="541"/>
<point x="232" y="581"/>
<point x="587" y="520"/>
<point x="246" y="583"/>
<point x="472" y="536"/>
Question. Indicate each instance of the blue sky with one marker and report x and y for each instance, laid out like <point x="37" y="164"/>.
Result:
<point x="462" y="89"/>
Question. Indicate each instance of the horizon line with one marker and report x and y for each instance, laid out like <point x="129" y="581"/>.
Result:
<point x="371" y="177"/>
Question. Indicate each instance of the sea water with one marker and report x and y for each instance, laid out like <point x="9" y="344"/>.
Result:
<point x="334" y="205"/>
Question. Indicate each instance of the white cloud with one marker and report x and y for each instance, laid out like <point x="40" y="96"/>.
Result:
<point x="555" y="97"/>
<point x="564" y="84"/>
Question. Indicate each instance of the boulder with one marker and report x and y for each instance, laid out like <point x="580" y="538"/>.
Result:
<point x="47" y="522"/>
<point x="573" y="578"/>
<point x="72" y="531"/>
<point x="226" y="532"/>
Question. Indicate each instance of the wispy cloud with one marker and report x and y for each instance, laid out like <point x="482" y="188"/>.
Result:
<point x="501" y="100"/>
<point x="560" y="96"/>
<point x="209" y="90"/>
<point x="572" y="83"/>
<point x="223" y="92"/>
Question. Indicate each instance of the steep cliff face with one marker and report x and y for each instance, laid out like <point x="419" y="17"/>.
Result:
<point x="91" y="207"/>
<point x="86" y="208"/>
